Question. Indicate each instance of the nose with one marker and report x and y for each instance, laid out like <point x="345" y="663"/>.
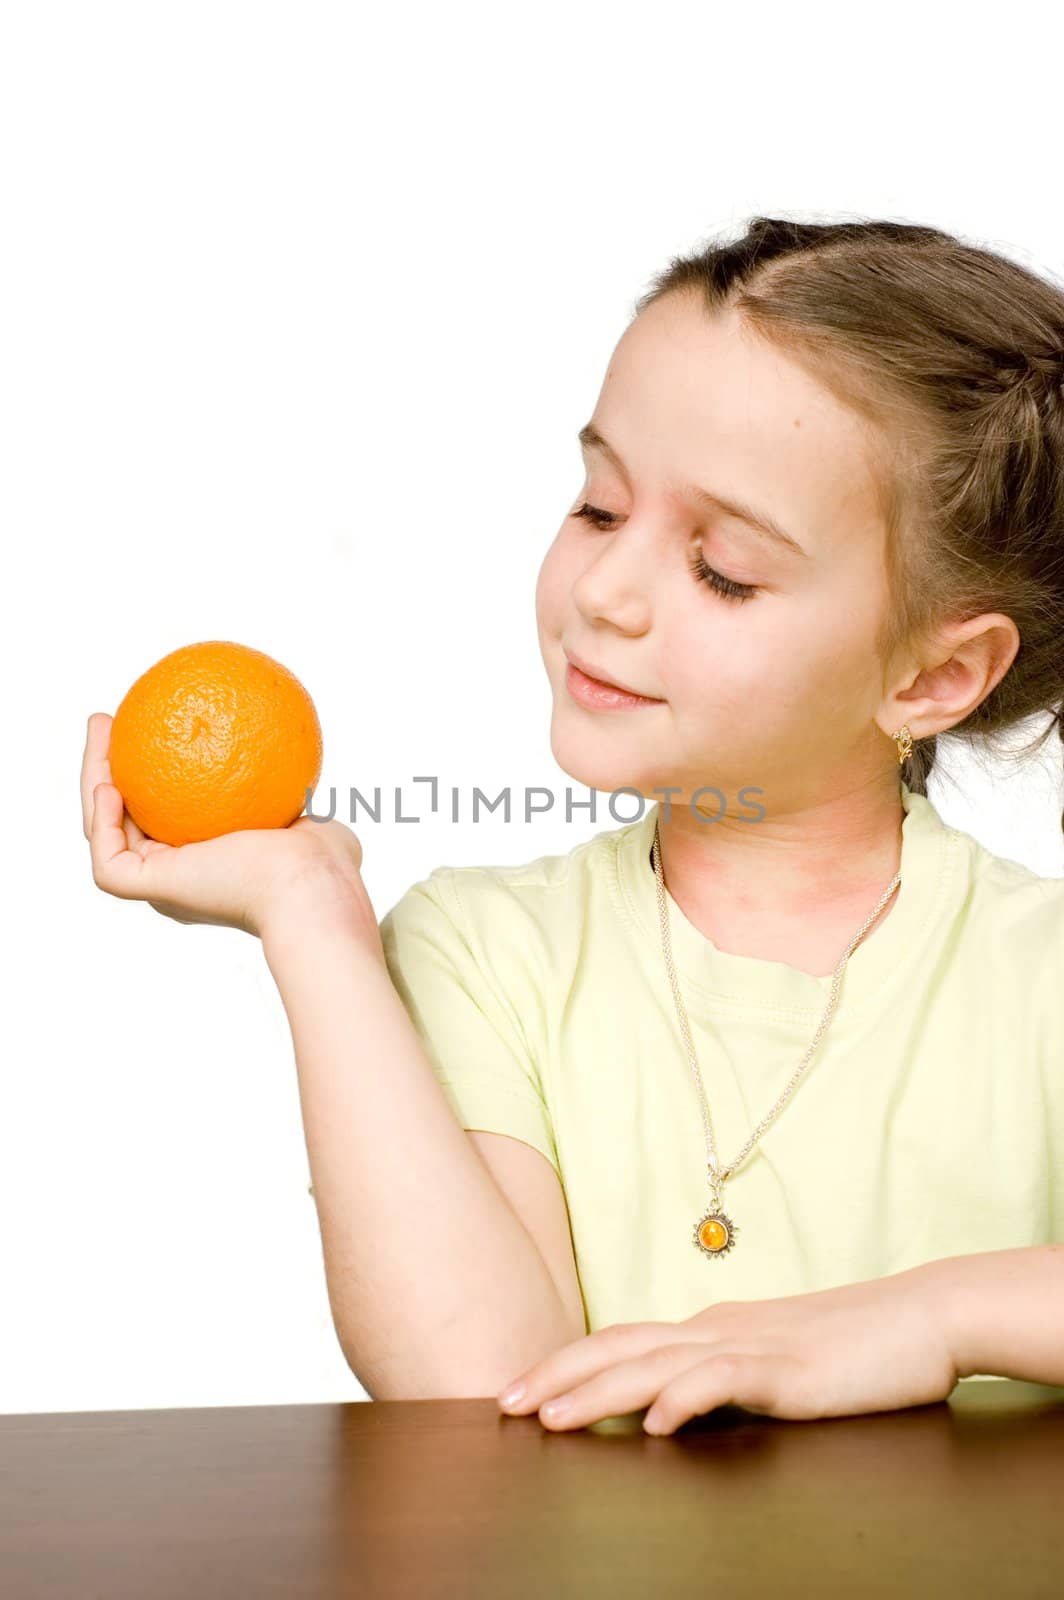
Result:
<point x="612" y="588"/>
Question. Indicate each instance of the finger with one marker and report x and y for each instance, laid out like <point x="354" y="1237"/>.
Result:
<point x="96" y="768"/>
<point x="729" y="1377"/>
<point x="115" y="867"/>
<point x="628" y="1386"/>
<point x="576" y="1362"/>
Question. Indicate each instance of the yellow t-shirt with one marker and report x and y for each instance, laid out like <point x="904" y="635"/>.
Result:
<point x="929" y="1122"/>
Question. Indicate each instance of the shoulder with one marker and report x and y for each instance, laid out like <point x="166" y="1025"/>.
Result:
<point x="1016" y="913"/>
<point x="524" y="914"/>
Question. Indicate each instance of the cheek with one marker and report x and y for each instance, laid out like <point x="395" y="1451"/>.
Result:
<point x="553" y="587"/>
<point x="832" y="641"/>
<point x="732" y="667"/>
<point x="708" y="654"/>
<point x="822" y="657"/>
<point x="688" y="663"/>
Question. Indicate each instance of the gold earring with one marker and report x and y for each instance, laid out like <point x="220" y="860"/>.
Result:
<point x="904" y="740"/>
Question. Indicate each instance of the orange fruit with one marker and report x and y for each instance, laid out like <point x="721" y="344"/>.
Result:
<point x="215" y="737"/>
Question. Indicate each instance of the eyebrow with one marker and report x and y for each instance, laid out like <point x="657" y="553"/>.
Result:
<point x="760" y="521"/>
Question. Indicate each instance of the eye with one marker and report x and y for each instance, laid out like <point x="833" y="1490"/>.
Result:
<point x="727" y="587"/>
<point x="600" y="519"/>
<point x="716" y="580"/>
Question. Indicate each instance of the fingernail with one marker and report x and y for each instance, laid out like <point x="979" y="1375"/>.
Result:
<point x="556" y="1408"/>
<point x="511" y="1396"/>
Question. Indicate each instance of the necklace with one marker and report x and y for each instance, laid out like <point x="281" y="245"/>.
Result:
<point x="714" y="1232"/>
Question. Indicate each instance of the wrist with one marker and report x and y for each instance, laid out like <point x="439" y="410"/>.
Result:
<point x="940" y="1284"/>
<point x="332" y="913"/>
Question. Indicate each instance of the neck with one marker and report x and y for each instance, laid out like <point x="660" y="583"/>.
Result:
<point x="793" y="887"/>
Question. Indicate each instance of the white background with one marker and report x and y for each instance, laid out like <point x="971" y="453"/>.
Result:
<point x="302" y="308"/>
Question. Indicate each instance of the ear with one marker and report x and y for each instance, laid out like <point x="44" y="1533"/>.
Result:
<point x="955" y="672"/>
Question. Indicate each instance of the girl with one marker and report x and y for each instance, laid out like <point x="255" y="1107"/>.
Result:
<point x="762" y="1089"/>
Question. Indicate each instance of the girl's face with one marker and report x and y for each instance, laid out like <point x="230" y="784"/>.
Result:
<point x="776" y="691"/>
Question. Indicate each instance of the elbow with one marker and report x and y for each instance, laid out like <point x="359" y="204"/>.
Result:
<point x="409" y="1378"/>
<point x="420" y="1386"/>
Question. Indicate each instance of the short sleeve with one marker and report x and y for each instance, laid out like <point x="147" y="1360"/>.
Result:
<point x="478" y="1054"/>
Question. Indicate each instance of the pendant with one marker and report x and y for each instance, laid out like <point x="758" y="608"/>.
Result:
<point x="715" y="1233"/>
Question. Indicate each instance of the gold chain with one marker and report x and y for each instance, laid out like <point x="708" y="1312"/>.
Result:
<point x="717" y="1175"/>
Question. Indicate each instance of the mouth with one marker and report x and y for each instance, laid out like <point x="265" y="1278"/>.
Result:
<point x="589" y="689"/>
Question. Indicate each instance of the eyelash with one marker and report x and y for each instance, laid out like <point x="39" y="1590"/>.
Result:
<point x="727" y="587"/>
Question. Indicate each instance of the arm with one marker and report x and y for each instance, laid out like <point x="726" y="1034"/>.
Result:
<point x="877" y="1345"/>
<point x="436" y="1287"/>
<point x="1003" y="1311"/>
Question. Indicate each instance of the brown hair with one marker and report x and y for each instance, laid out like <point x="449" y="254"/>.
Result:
<point x="954" y="356"/>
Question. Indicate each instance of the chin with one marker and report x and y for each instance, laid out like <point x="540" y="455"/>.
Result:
<point x="586" y="756"/>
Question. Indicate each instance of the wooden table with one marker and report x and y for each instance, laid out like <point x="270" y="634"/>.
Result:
<point x="428" y="1498"/>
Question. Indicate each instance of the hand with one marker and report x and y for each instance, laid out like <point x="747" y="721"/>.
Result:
<point x="873" y="1346"/>
<point x="234" y="880"/>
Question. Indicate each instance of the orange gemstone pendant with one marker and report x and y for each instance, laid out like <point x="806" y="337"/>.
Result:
<point x="715" y="1233"/>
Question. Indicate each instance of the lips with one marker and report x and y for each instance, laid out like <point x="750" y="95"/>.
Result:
<point x="610" y="683"/>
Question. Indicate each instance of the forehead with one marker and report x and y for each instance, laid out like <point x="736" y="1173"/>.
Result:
<point x="694" y="397"/>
